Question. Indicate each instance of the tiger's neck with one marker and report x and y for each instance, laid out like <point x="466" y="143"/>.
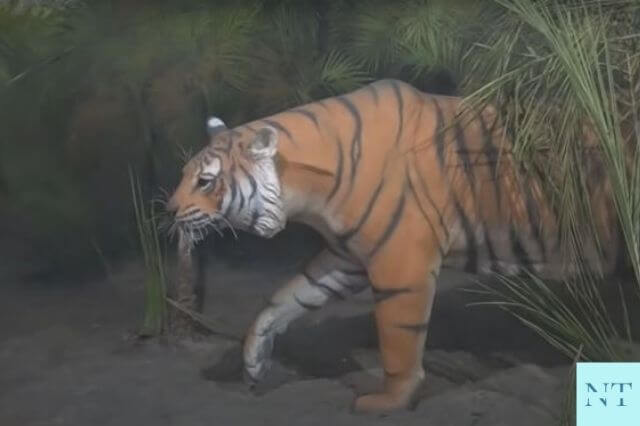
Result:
<point x="304" y="188"/>
<point x="305" y="165"/>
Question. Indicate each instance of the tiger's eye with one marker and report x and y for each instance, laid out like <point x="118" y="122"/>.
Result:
<point x="204" y="182"/>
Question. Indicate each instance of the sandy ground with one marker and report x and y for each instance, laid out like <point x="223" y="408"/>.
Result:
<point x="66" y="357"/>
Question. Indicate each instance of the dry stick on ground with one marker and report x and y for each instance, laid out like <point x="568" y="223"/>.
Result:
<point x="217" y="329"/>
<point x="186" y="273"/>
<point x="186" y="299"/>
<point x="185" y="279"/>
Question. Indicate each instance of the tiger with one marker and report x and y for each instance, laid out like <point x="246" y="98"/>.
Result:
<point x="399" y="183"/>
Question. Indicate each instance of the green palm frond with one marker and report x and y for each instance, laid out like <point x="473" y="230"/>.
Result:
<point x="567" y="86"/>
<point x="340" y="73"/>
<point x="418" y="35"/>
<point x="373" y="35"/>
<point x="28" y="39"/>
<point x="294" y="69"/>
<point x="222" y="41"/>
<point x="570" y="317"/>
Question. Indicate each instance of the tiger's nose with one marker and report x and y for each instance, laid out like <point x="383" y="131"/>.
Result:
<point x="172" y="205"/>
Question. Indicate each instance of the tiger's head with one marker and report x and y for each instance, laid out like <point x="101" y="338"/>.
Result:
<point x="232" y="182"/>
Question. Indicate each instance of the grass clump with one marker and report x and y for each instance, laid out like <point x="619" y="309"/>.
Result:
<point x="155" y="283"/>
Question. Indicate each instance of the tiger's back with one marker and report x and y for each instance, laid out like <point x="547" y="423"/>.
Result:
<point x="388" y="146"/>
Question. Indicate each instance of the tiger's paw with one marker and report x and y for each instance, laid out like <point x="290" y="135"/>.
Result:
<point x="381" y="403"/>
<point x="255" y="374"/>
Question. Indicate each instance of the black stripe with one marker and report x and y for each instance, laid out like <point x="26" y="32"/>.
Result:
<point x="356" y="142"/>
<point x="280" y="128"/>
<point x="308" y="114"/>
<point x="518" y="248"/>
<point x="374" y="92"/>
<point x="252" y="182"/>
<point x="240" y="193"/>
<point x="472" y="248"/>
<point x="398" y="94"/>
<point x="380" y="295"/>
<point x="492" y="157"/>
<point x="421" y="327"/>
<point x="343" y="282"/>
<point x="427" y="194"/>
<point x="424" y="213"/>
<point x="325" y="288"/>
<point x="358" y="287"/>
<point x="241" y="206"/>
<point x="493" y="258"/>
<point x="535" y="220"/>
<point x="367" y="212"/>
<point x="393" y="224"/>
<point x="472" y="245"/>
<point x="353" y="272"/>
<point x="254" y="219"/>
<point x="233" y="185"/>
<point x="221" y="200"/>
<point x="463" y="153"/>
<point x="305" y="305"/>
<point x="339" y="171"/>
<point x="270" y="193"/>
<point x="439" y="133"/>
<point x="337" y="253"/>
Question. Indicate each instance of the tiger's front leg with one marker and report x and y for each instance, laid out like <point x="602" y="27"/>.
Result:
<point x="404" y="285"/>
<point x="328" y="276"/>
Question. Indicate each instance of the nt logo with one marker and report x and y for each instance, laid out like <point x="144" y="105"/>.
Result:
<point x="607" y="394"/>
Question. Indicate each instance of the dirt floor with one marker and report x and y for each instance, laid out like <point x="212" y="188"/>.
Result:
<point x="67" y="357"/>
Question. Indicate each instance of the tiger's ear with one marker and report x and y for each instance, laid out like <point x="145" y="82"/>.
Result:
<point x="265" y="143"/>
<point x="215" y="125"/>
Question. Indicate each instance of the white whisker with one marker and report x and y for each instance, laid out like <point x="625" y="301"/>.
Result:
<point x="233" y="231"/>
<point x="215" y="228"/>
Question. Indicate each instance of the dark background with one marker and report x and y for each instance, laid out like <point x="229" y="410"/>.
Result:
<point x="92" y="89"/>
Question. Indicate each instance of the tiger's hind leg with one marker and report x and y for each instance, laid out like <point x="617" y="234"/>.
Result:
<point x="328" y="276"/>
<point x="404" y="291"/>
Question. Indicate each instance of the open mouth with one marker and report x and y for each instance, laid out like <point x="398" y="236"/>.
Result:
<point x="195" y="226"/>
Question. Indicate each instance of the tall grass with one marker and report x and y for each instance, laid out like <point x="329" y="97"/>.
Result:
<point x="567" y="77"/>
<point x="155" y="283"/>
